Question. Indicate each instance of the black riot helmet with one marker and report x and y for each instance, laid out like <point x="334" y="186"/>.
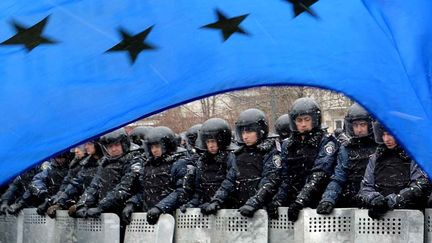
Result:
<point x="192" y="134"/>
<point x="116" y="136"/>
<point x="282" y="126"/>
<point x="357" y="113"/>
<point x="215" y="128"/>
<point x="378" y="130"/>
<point x="163" y="136"/>
<point x="252" y="120"/>
<point x="139" y="134"/>
<point x="305" y="106"/>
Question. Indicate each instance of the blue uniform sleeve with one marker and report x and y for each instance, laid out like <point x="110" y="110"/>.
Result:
<point x="321" y="172"/>
<point x="90" y="196"/>
<point x="281" y="196"/>
<point x="229" y="184"/>
<point x="72" y="190"/>
<point x="180" y="195"/>
<point x="367" y="188"/>
<point x="338" y="179"/>
<point x="39" y="183"/>
<point x="270" y="180"/>
<point x="14" y="190"/>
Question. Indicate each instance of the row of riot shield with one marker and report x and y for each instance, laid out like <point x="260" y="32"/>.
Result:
<point x="29" y="227"/>
<point x="343" y="225"/>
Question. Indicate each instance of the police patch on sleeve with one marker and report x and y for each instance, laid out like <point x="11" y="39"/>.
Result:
<point x="277" y="161"/>
<point x="329" y="149"/>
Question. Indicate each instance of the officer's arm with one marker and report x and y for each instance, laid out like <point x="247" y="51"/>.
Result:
<point x="367" y="187"/>
<point x="270" y="180"/>
<point x="229" y="184"/>
<point x="418" y="188"/>
<point x="15" y="188"/>
<point x="321" y="172"/>
<point x="90" y="196"/>
<point x="125" y="189"/>
<point x="281" y="196"/>
<point x="182" y="193"/>
<point x="196" y="198"/>
<point x="338" y="179"/>
<point x="38" y="185"/>
<point x="72" y="190"/>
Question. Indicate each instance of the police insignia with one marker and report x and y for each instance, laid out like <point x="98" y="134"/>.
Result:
<point x="277" y="161"/>
<point x="329" y="149"/>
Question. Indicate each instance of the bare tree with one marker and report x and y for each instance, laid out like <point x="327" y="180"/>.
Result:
<point x="274" y="101"/>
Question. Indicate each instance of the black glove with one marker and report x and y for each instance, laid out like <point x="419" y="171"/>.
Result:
<point x="127" y="213"/>
<point x="153" y="215"/>
<point x="378" y="207"/>
<point x="294" y="211"/>
<point x="43" y="208"/>
<point x="325" y="208"/>
<point x="4" y="208"/>
<point x="51" y="211"/>
<point x="211" y="208"/>
<point x="41" y="194"/>
<point x="183" y="208"/>
<point x="81" y="213"/>
<point x="94" y="212"/>
<point x="272" y="210"/>
<point x="203" y="207"/>
<point x="247" y="211"/>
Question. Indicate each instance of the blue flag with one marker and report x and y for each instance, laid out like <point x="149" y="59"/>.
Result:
<point x="72" y="70"/>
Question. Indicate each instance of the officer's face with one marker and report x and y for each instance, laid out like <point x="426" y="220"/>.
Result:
<point x="212" y="146"/>
<point x="115" y="149"/>
<point x="79" y="153"/>
<point x="90" y="148"/>
<point x="360" y="128"/>
<point x="156" y="150"/>
<point x="249" y="137"/>
<point x="303" y="123"/>
<point x="389" y="140"/>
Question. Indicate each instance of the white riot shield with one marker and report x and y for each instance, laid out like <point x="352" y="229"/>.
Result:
<point x="281" y="230"/>
<point x="396" y="226"/>
<point x="231" y="226"/>
<point x="139" y="230"/>
<point x="316" y="228"/>
<point x="65" y="228"/>
<point x="193" y="227"/>
<point x="11" y="228"/>
<point x="37" y="228"/>
<point x="428" y="225"/>
<point x="104" y="229"/>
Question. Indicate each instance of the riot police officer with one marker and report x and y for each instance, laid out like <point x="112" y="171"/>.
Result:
<point x="392" y="179"/>
<point x="351" y="163"/>
<point x="44" y="184"/>
<point x="163" y="184"/>
<point x="216" y="169"/>
<point x="68" y="196"/>
<point x="192" y="135"/>
<point x="74" y="166"/>
<point x="118" y="160"/>
<point x="282" y="127"/>
<point x="258" y="162"/>
<point x="308" y="159"/>
<point x="17" y="188"/>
